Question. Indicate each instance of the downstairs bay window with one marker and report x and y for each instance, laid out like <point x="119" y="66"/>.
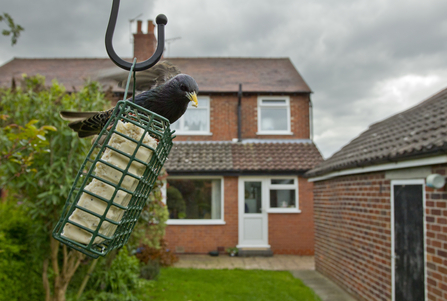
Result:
<point x="194" y="200"/>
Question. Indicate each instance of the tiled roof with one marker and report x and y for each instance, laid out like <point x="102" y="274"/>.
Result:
<point x="242" y="158"/>
<point x="218" y="75"/>
<point x="72" y="72"/>
<point x="255" y="74"/>
<point x="417" y="132"/>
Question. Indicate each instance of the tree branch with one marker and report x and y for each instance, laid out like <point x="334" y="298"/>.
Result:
<point x="46" y="283"/>
<point x="54" y="244"/>
<point x="64" y="265"/>
<point x="76" y="261"/>
<point x="86" y="278"/>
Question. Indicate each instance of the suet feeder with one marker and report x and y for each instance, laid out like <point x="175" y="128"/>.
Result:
<point x="114" y="182"/>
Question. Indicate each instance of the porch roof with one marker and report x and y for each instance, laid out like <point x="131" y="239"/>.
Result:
<point x="248" y="157"/>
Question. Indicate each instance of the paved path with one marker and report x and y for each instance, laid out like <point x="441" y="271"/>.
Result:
<point x="322" y="286"/>
<point x="302" y="267"/>
<point x="277" y="262"/>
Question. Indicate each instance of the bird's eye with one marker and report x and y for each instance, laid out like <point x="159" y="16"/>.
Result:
<point x="183" y="87"/>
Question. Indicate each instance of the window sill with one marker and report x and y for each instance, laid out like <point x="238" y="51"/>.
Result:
<point x="274" y="133"/>
<point x="193" y="133"/>
<point x="283" y="210"/>
<point x="194" y="222"/>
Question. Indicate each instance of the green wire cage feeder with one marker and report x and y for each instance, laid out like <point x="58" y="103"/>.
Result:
<point x="114" y="182"/>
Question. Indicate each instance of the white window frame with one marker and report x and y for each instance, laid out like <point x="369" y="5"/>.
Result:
<point x="269" y="186"/>
<point x="181" y="121"/>
<point x="272" y="105"/>
<point x="220" y="221"/>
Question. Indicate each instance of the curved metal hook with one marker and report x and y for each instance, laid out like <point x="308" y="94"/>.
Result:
<point x="161" y="21"/>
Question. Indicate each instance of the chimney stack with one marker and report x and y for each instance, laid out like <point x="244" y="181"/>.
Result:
<point x="144" y="44"/>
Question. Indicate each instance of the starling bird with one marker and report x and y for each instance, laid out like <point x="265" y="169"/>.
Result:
<point x="169" y="97"/>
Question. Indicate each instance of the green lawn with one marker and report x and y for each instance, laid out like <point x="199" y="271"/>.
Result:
<point x="226" y="285"/>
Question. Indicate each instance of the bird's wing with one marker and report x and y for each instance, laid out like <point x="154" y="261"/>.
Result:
<point x="145" y="80"/>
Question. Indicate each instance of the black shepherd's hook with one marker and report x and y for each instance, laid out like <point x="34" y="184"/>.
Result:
<point x="161" y="21"/>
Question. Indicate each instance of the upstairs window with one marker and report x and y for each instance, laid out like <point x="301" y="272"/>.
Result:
<point x="195" y="121"/>
<point x="274" y="115"/>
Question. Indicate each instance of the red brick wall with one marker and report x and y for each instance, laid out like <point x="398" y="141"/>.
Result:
<point x="205" y="238"/>
<point x="288" y="233"/>
<point x="436" y="219"/>
<point x="294" y="233"/>
<point x="353" y="235"/>
<point x="223" y="119"/>
<point x="144" y="44"/>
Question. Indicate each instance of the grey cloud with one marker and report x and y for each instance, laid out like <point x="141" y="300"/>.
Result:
<point x="343" y="49"/>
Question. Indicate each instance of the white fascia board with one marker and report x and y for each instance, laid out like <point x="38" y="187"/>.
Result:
<point x="382" y="167"/>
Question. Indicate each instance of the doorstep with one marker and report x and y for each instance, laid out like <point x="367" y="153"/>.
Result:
<point x="255" y="252"/>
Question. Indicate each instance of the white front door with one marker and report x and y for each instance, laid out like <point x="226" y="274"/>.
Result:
<point x="253" y="218"/>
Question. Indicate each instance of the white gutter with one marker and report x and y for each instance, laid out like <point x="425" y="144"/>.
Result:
<point x="382" y="167"/>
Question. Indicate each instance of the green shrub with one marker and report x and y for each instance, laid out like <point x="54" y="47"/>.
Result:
<point x="41" y="174"/>
<point x="116" y="282"/>
<point x="162" y="255"/>
<point x="20" y="272"/>
<point x="150" y="271"/>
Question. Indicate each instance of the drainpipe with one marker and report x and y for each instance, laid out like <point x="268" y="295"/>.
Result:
<point x="239" y="117"/>
<point x="311" y="120"/>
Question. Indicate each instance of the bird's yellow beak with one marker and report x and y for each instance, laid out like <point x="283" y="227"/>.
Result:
<point x="193" y="97"/>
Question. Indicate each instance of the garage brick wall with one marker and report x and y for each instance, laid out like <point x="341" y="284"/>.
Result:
<point x="353" y="235"/>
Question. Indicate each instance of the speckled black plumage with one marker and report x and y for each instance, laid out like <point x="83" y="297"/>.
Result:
<point x="169" y="100"/>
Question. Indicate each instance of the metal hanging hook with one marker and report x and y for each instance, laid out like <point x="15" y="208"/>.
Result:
<point x="161" y="21"/>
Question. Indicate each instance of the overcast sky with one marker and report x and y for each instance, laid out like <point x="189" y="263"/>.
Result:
<point x="364" y="60"/>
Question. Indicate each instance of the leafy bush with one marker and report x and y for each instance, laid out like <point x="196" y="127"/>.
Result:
<point x="115" y="282"/>
<point x="150" y="228"/>
<point x="150" y="270"/>
<point x="162" y="255"/>
<point x="20" y="272"/>
<point x="53" y="164"/>
<point x="18" y="147"/>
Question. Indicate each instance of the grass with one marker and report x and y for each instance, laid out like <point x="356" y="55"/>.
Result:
<point x="214" y="285"/>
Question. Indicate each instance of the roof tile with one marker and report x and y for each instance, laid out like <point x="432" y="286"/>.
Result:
<point x="242" y="157"/>
<point x="418" y="131"/>
<point x="275" y="75"/>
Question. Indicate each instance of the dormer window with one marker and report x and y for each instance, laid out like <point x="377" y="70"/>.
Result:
<point x="274" y="115"/>
<point x="195" y="121"/>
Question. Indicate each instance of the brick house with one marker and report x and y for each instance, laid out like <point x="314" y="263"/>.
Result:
<point x="380" y="231"/>
<point x="233" y="181"/>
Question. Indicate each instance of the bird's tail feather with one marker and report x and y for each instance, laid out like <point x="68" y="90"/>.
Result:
<point x="86" y="123"/>
<point x="72" y="116"/>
